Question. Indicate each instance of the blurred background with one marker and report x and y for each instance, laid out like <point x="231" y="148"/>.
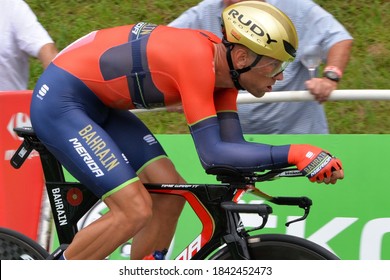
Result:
<point x="369" y="67"/>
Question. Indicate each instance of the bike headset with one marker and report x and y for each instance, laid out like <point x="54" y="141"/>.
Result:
<point x="263" y="29"/>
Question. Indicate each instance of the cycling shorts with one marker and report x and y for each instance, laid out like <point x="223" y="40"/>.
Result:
<point x="102" y="147"/>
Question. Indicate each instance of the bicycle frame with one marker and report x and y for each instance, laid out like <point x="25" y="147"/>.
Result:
<point x="214" y="204"/>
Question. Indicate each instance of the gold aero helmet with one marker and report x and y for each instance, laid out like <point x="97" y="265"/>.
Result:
<point x="262" y="28"/>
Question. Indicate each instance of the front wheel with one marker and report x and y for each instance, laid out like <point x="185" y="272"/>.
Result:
<point x="280" y="247"/>
<point x="16" y="246"/>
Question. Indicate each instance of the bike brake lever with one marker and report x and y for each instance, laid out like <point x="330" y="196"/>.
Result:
<point x="264" y="222"/>
<point x="307" y="210"/>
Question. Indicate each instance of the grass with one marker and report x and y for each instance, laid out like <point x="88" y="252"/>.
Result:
<point x="368" y="68"/>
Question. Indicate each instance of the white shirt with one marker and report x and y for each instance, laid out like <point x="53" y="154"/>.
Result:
<point x="21" y="36"/>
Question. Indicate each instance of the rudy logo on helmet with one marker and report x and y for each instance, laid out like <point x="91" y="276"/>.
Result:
<point x="263" y="29"/>
<point x="241" y="22"/>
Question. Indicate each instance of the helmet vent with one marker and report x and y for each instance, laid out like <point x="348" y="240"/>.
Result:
<point x="289" y="48"/>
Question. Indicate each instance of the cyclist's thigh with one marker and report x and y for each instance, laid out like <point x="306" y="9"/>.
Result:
<point x="139" y="145"/>
<point x="141" y="148"/>
<point x="161" y="170"/>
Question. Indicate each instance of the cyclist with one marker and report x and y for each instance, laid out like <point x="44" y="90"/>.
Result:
<point x="80" y="112"/>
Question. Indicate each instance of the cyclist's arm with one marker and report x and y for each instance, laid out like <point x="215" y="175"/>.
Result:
<point x="219" y="141"/>
<point x="212" y="150"/>
<point x="318" y="165"/>
<point x="230" y="127"/>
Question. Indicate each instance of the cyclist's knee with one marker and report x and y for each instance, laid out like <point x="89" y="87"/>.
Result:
<point x="131" y="207"/>
<point x="129" y="221"/>
<point x="140" y="209"/>
<point x="142" y="215"/>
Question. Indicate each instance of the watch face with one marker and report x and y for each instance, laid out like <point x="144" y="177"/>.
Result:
<point x="332" y="76"/>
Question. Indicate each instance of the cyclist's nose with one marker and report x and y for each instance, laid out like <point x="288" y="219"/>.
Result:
<point x="278" y="76"/>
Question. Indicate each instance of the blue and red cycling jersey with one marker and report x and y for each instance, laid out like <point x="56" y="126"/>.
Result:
<point x="80" y="107"/>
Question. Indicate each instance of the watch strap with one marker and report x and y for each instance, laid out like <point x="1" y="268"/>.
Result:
<point x="334" y="69"/>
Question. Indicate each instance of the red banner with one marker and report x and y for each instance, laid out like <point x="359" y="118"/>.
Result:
<point x="20" y="189"/>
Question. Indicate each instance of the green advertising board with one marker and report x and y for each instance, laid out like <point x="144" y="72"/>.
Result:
<point x="350" y="218"/>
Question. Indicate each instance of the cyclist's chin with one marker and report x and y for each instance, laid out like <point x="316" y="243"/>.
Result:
<point x="257" y="93"/>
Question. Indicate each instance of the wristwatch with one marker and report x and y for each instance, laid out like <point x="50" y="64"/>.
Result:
<point x="332" y="73"/>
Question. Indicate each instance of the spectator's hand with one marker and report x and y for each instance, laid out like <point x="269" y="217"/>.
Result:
<point x="318" y="165"/>
<point x="321" y="88"/>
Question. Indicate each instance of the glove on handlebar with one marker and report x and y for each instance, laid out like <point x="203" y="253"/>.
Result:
<point x="314" y="162"/>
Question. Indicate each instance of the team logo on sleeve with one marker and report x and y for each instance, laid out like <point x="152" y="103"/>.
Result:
<point x="150" y="139"/>
<point x="142" y="29"/>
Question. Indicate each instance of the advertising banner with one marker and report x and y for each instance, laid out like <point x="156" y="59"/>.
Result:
<point x="20" y="190"/>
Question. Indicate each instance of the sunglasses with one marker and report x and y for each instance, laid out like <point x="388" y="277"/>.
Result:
<point x="272" y="67"/>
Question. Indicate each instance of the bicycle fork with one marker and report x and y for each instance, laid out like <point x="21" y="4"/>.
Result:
<point x="236" y="235"/>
